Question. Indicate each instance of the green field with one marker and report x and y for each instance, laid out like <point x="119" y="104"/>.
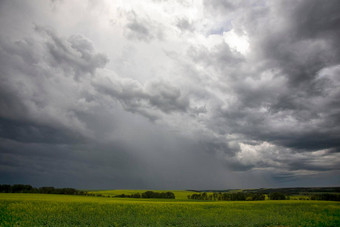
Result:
<point x="67" y="210"/>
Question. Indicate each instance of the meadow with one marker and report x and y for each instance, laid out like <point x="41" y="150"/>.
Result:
<point x="68" y="210"/>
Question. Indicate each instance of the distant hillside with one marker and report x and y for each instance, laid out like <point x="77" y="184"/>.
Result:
<point x="296" y="191"/>
<point x="287" y="191"/>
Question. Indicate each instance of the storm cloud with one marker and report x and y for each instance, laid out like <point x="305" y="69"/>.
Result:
<point x="170" y="94"/>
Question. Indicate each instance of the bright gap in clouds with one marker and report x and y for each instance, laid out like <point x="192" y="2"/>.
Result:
<point x="237" y="42"/>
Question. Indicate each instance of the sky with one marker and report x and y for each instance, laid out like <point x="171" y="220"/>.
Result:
<point x="160" y="94"/>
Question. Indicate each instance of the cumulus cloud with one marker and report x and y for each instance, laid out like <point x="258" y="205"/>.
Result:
<point x="74" y="55"/>
<point x="148" y="99"/>
<point x="38" y="72"/>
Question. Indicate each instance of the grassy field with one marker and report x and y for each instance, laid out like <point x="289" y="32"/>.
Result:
<point x="67" y="210"/>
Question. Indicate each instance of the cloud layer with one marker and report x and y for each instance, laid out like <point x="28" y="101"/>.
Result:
<point x="170" y="94"/>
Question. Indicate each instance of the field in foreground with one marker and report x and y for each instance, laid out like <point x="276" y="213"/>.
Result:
<point x="66" y="210"/>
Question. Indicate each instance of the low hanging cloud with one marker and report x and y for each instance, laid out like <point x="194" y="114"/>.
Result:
<point x="34" y="72"/>
<point x="75" y="55"/>
<point x="153" y="95"/>
<point x="146" y="100"/>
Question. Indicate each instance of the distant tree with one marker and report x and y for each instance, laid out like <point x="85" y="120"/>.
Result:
<point x="147" y="194"/>
<point x="21" y="188"/>
<point x="170" y="195"/>
<point x="5" y="188"/>
<point x="204" y="196"/>
<point x="326" y="196"/>
<point x="136" y="195"/>
<point x="215" y="196"/>
<point x="47" y="190"/>
<point x="277" y="196"/>
<point x="163" y="195"/>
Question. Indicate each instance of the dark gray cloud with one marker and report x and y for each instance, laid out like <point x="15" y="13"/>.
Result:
<point x="135" y="97"/>
<point x="74" y="55"/>
<point x="32" y="132"/>
<point x="33" y="77"/>
<point x="296" y="54"/>
<point x="159" y="99"/>
<point x="285" y="92"/>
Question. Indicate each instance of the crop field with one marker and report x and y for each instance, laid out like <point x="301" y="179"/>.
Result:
<point x="67" y="210"/>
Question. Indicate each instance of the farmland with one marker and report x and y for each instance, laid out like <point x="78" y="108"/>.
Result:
<point x="67" y="210"/>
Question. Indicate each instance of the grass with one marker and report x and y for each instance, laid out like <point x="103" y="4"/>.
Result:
<point x="66" y="210"/>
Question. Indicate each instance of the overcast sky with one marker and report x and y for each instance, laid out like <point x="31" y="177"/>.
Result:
<point x="157" y="94"/>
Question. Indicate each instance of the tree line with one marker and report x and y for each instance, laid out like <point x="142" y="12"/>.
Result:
<point x="277" y="196"/>
<point x="24" y="188"/>
<point x="250" y="196"/>
<point x="150" y="194"/>
<point x="326" y="196"/>
<point x="220" y="196"/>
<point x="296" y="191"/>
<point x="239" y="196"/>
